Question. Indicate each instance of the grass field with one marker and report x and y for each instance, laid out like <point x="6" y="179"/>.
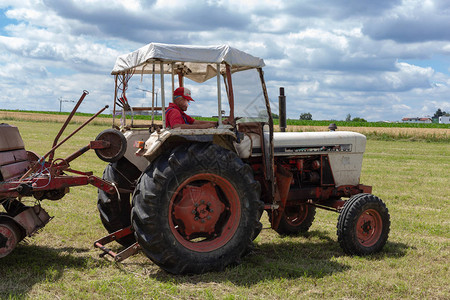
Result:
<point x="412" y="177"/>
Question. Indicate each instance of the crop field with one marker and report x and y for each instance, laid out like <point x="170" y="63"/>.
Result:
<point x="410" y="173"/>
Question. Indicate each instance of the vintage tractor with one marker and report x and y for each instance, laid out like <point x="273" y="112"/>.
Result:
<point x="192" y="199"/>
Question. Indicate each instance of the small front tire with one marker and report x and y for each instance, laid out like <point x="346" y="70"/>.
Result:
<point x="363" y="225"/>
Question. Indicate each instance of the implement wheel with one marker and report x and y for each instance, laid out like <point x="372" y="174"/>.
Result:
<point x="363" y="225"/>
<point x="115" y="209"/>
<point x="10" y="236"/>
<point x="296" y="219"/>
<point x="197" y="209"/>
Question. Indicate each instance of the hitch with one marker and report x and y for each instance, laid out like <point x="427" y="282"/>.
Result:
<point x="124" y="254"/>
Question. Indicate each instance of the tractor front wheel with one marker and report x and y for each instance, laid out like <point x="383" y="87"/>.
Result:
<point x="363" y="225"/>
<point x="197" y="209"/>
<point x="296" y="219"/>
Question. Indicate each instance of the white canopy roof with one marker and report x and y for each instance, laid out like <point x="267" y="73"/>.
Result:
<point x="197" y="62"/>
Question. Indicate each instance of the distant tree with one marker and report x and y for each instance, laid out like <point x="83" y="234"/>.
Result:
<point x="275" y="116"/>
<point x="358" y="120"/>
<point x="348" y="118"/>
<point x="439" y="113"/>
<point x="306" y="116"/>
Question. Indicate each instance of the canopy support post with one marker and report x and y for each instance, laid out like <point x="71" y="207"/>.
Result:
<point x="153" y="93"/>
<point x="230" y="94"/>
<point x="219" y="98"/>
<point x="163" y="98"/>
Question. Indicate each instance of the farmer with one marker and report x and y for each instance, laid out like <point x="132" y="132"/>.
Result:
<point x="176" y="116"/>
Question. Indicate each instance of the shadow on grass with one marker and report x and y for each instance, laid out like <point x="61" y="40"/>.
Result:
<point x="28" y="265"/>
<point x="312" y="256"/>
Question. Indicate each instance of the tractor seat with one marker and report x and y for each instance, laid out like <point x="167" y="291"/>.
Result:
<point x="13" y="156"/>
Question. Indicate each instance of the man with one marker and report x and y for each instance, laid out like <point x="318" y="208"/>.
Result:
<point x="176" y="116"/>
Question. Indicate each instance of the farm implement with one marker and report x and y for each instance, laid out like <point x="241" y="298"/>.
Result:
<point x="25" y="174"/>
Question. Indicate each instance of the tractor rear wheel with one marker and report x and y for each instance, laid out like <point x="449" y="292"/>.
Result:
<point x="363" y="225"/>
<point x="115" y="209"/>
<point x="196" y="209"/>
<point x="296" y="219"/>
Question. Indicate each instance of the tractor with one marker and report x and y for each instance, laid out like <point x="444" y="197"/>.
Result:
<point x="192" y="199"/>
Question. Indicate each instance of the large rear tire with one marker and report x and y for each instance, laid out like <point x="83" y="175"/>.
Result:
<point x="197" y="209"/>
<point x="115" y="211"/>
<point x="363" y="225"/>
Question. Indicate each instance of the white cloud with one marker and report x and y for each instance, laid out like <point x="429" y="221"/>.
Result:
<point x="335" y="58"/>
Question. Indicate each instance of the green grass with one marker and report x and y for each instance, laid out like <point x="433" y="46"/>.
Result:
<point x="411" y="177"/>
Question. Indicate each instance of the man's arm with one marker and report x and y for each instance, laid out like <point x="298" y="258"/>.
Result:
<point x="198" y="124"/>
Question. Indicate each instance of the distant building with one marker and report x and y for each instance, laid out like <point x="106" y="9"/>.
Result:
<point x="444" y="120"/>
<point x="416" y="120"/>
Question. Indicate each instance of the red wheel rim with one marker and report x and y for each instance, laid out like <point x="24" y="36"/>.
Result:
<point x="204" y="212"/>
<point x="8" y="239"/>
<point x="369" y="228"/>
<point x="296" y="215"/>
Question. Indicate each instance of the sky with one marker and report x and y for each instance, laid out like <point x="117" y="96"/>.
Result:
<point x="378" y="60"/>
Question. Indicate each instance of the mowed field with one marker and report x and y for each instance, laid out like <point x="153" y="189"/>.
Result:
<point x="412" y="177"/>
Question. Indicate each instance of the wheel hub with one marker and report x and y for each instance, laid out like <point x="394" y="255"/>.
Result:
<point x="366" y="227"/>
<point x="199" y="209"/>
<point x="9" y="237"/>
<point x="204" y="212"/>
<point x="369" y="227"/>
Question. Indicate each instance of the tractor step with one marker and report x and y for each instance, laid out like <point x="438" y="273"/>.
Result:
<point x="124" y="254"/>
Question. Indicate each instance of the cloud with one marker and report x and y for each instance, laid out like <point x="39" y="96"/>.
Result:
<point x="415" y="21"/>
<point x="372" y="59"/>
<point x="339" y="9"/>
<point x="142" y="20"/>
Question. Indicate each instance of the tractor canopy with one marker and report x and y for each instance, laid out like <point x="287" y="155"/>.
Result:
<point x="199" y="63"/>
<point x="241" y="72"/>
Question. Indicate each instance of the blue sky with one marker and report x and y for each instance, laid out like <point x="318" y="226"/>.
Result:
<point x="379" y="60"/>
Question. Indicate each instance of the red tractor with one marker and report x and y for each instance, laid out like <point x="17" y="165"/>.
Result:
<point x="193" y="199"/>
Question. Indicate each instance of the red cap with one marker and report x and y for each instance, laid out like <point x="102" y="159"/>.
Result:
<point x="183" y="92"/>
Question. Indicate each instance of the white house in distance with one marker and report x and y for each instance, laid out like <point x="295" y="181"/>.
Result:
<point x="444" y="120"/>
<point x="417" y="120"/>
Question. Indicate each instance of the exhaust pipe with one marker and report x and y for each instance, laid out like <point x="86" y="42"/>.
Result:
<point x="282" y="110"/>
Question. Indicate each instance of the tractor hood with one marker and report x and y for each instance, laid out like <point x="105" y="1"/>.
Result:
<point x="336" y="141"/>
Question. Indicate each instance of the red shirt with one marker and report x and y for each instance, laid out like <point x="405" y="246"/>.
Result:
<point x="174" y="116"/>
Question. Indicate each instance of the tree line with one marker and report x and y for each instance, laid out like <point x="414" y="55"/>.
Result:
<point x="308" y="116"/>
